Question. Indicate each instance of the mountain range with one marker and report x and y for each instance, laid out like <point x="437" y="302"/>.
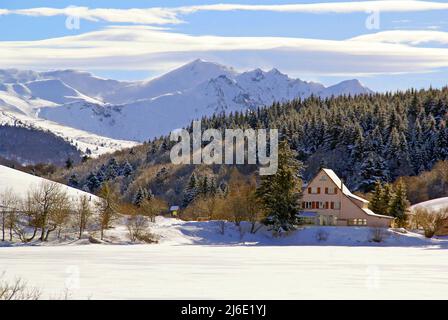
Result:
<point x="114" y="114"/>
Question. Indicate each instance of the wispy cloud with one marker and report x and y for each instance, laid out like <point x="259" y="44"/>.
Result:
<point x="173" y="15"/>
<point x="412" y="37"/>
<point x="145" y="48"/>
<point x="327" y="7"/>
<point x="156" y="16"/>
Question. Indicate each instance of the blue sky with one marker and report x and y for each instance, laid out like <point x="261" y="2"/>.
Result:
<point x="405" y="45"/>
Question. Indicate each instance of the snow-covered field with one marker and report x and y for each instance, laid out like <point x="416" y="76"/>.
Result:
<point x="194" y="261"/>
<point x="231" y="272"/>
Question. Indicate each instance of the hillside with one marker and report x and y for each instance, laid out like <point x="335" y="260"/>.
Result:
<point x="20" y="183"/>
<point x="362" y="138"/>
<point x="32" y="146"/>
<point x="86" y="143"/>
<point x="432" y="205"/>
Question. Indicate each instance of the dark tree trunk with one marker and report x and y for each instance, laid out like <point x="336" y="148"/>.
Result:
<point x="48" y="232"/>
<point x="33" y="236"/>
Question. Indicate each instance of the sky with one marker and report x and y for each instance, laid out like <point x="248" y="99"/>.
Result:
<point x="387" y="45"/>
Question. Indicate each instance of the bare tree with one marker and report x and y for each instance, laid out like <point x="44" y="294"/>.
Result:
<point x="136" y="225"/>
<point x="50" y="204"/>
<point x="152" y="207"/>
<point x="242" y="202"/>
<point x="430" y="221"/>
<point x="107" y="207"/>
<point x="17" y="290"/>
<point x="83" y="214"/>
<point x="8" y="208"/>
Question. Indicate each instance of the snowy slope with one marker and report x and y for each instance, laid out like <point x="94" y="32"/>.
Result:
<point x="433" y="205"/>
<point x="20" y="183"/>
<point x="81" y="139"/>
<point x="140" y="110"/>
<point x="186" y="77"/>
<point x="56" y="91"/>
<point x="175" y="99"/>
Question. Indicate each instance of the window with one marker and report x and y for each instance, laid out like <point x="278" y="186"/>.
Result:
<point x="314" y="190"/>
<point x="331" y="190"/>
<point x="337" y="205"/>
<point x="358" y="222"/>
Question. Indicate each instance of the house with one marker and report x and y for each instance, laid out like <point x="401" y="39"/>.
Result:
<point x="174" y="211"/>
<point x="327" y="201"/>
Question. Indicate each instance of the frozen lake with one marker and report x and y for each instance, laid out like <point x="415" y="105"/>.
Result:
<point x="231" y="272"/>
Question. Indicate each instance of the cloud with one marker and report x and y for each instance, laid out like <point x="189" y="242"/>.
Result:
<point x="172" y="15"/>
<point x="146" y="48"/>
<point x="156" y="16"/>
<point x="328" y="7"/>
<point x="412" y="37"/>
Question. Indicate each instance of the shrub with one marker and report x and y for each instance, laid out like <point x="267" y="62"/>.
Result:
<point x="430" y="220"/>
<point x="17" y="290"/>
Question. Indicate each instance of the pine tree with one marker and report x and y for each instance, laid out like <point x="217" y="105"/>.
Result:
<point x="73" y="181"/>
<point x="69" y="163"/>
<point x="141" y="195"/>
<point x="373" y="168"/>
<point x="399" y="205"/>
<point x="191" y="191"/>
<point x="127" y="169"/>
<point x="388" y="195"/>
<point x="375" y="203"/>
<point x="280" y="193"/>
<point x="93" y="183"/>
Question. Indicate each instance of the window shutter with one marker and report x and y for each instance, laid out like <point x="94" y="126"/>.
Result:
<point x="313" y="205"/>
<point x="332" y="205"/>
<point x="326" y="204"/>
<point x="326" y="190"/>
<point x="335" y="190"/>
<point x="318" y="190"/>
<point x="309" y="190"/>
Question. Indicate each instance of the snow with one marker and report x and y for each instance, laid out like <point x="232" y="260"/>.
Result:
<point x="433" y="205"/>
<point x="20" y="183"/>
<point x="194" y="261"/>
<point x="230" y="272"/>
<point x="98" y="145"/>
<point x="139" y="110"/>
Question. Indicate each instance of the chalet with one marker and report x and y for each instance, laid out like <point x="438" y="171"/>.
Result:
<point x="327" y="201"/>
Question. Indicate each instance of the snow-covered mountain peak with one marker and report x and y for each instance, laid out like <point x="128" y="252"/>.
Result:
<point x="138" y="110"/>
<point x="347" y="87"/>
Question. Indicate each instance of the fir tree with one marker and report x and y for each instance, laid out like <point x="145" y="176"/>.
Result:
<point x="399" y="205"/>
<point x="73" y="181"/>
<point x="93" y="183"/>
<point x="191" y="191"/>
<point x="127" y="169"/>
<point x="69" y="163"/>
<point x="280" y="193"/>
<point x="375" y="203"/>
<point x="388" y="194"/>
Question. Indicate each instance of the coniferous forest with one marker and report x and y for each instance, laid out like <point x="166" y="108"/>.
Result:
<point x="364" y="139"/>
